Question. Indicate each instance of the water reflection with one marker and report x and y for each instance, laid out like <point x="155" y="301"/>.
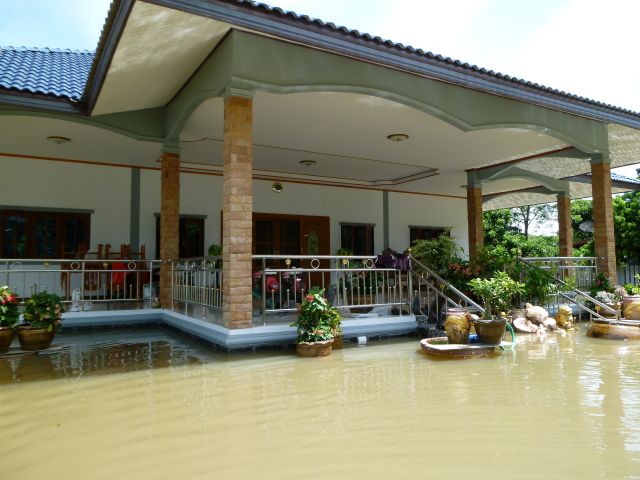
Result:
<point x="567" y="408"/>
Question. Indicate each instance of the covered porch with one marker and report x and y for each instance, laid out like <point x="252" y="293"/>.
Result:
<point x="279" y="147"/>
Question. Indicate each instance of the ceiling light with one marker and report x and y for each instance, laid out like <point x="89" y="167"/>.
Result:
<point x="59" y="140"/>
<point x="307" y="163"/>
<point x="397" y="137"/>
<point x="277" y="187"/>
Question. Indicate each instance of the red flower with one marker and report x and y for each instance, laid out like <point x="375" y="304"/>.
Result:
<point x="309" y="298"/>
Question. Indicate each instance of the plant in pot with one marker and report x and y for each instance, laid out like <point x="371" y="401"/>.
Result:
<point x="611" y="300"/>
<point x="335" y="325"/>
<point x="631" y="301"/>
<point x="215" y="251"/>
<point x="9" y="316"/>
<point x="489" y="328"/>
<point x="42" y="317"/>
<point x="314" y="325"/>
<point x="510" y="293"/>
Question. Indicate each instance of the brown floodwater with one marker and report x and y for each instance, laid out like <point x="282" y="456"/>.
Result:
<point x="154" y="404"/>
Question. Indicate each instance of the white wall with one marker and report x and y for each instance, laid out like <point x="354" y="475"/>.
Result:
<point x="426" y="211"/>
<point x="42" y="183"/>
<point x="106" y="190"/>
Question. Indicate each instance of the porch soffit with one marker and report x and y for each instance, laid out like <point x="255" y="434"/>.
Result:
<point x="158" y="51"/>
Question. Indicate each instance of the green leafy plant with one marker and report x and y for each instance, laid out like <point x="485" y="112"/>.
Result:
<point x="214" y="250"/>
<point x="539" y="284"/>
<point x="497" y="292"/>
<point x="43" y="310"/>
<point x="633" y="289"/>
<point x="317" y="320"/>
<point x="9" y="313"/>
<point x="437" y="253"/>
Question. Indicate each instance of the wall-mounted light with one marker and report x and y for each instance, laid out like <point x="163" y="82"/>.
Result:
<point x="58" y="140"/>
<point x="397" y="137"/>
<point x="277" y="187"/>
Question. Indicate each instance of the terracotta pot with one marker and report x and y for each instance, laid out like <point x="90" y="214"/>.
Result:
<point x="606" y="313"/>
<point x="314" y="349"/>
<point x="337" y="343"/>
<point x="631" y="307"/>
<point x="457" y="325"/>
<point x="490" y="332"/>
<point x="35" y="338"/>
<point x="6" y="337"/>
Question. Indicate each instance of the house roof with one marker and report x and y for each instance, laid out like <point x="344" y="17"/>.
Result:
<point x="52" y="72"/>
<point x="71" y="74"/>
<point x="424" y="54"/>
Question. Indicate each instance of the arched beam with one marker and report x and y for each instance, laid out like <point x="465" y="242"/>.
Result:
<point x="250" y="62"/>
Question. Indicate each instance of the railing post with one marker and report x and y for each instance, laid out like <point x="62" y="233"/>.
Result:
<point x="410" y="286"/>
<point x="264" y="291"/>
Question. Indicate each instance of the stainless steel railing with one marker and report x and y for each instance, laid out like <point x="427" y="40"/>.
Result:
<point x="197" y="282"/>
<point x="581" y="271"/>
<point x="82" y="282"/>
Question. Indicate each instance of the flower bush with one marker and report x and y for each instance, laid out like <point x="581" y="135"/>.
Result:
<point x="317" y="320"/>
<point x="43" y="310"/>
<point x="607" y="297"/>
<point x="9" y="313"/>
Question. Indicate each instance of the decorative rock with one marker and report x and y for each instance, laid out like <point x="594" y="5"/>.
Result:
<point x="523" y="325"/>
<point x="536" y="314"/>
<point x="551" y="323"/>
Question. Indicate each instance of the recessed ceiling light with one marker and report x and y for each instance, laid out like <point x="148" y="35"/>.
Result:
<point x="58" y="140"/>
<point x="277" y="187"/>
<point x="397" y="137"/>
<point x="307" y="163"/>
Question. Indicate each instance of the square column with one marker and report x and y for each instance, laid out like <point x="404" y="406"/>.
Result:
<point x="605" y="245"/>
<point x="474" y="217"/>
<point x="169" y="221"/>
<point x="237" y="234"/>
<point x="565" y="230"/>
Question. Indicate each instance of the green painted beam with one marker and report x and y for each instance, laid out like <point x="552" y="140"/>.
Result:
<point x="251" y="62"/>
<point x="144" y="125"/>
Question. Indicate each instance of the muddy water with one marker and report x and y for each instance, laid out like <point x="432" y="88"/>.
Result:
<point x="154" y="405"/>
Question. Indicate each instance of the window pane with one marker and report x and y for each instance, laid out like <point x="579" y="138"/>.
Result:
<point x="289" y="237"/>
<point x="75" y="235"/>
<point x="14" y="243"/>
<point x="45" y="235"/>
<point x="264" y="244"/>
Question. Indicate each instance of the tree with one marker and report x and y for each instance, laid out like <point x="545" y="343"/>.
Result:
<point x="582" y="215"/>
<point x="496" y="224"/>
<point x="529" y="214"/>
<point x="626" y="220"/>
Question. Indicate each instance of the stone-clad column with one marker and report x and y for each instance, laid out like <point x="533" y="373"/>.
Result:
<point x="565" y="230"/>
<point x="605" y="246"/>
<point x="237" y="211"/>
<point x="169" y="221"/>
<point x="474" y="217"/>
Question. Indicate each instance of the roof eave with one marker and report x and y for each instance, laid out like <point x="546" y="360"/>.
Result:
<point x="341" y="41"/>
<point x="114" y="26"/>
<point x="41" y="102"/>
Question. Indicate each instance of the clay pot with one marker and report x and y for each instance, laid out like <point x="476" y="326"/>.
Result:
<point x="631" y="307"/>
<point x="314" y="349"/>
<point x="6" y="337"/>
<point x="35" y="338"/>
<point x="457" y="325"/>
<point x="490" y="331"/>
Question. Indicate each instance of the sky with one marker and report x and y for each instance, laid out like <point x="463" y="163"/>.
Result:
<point x="586" y="47"/>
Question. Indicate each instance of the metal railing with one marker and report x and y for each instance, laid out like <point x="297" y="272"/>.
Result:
<point x="568" y="292"/>
<point x="81" y="282"/>
<point x="352" y="282"/>
<point x="197" y="282"/>
<point x="581" y="271"/>
<point x="432" y="295"/>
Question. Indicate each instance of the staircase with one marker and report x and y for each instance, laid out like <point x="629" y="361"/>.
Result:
<point x="431" y="295"/>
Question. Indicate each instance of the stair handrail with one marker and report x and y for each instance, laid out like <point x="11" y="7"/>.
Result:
<point x="586" y="296"/>
<point x="442" y="281"/>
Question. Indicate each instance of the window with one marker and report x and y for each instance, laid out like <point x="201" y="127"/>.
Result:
<point x="357" y="237"/>
<point x="191" y="236"/>
<point x="43" y="234"/>
<point x="426" y="233"/>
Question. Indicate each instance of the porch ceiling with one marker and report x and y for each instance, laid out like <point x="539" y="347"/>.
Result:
<point x="346" y="135"/>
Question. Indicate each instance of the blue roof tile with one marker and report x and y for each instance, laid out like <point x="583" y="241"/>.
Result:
<point x="55" y="72"/>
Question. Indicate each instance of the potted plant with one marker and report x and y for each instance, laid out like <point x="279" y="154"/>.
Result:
<point x="631" y="301"/>
<point x="335" y="325"/>
<point x="489" y="328"/>
<point x="314" y="325"/>
<point x="510" y="291"/>
<point x="9" y="316"/>
<point x="215" y="250"/>
<point x="611" y="300"/>
<point x="42" y="316"/>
